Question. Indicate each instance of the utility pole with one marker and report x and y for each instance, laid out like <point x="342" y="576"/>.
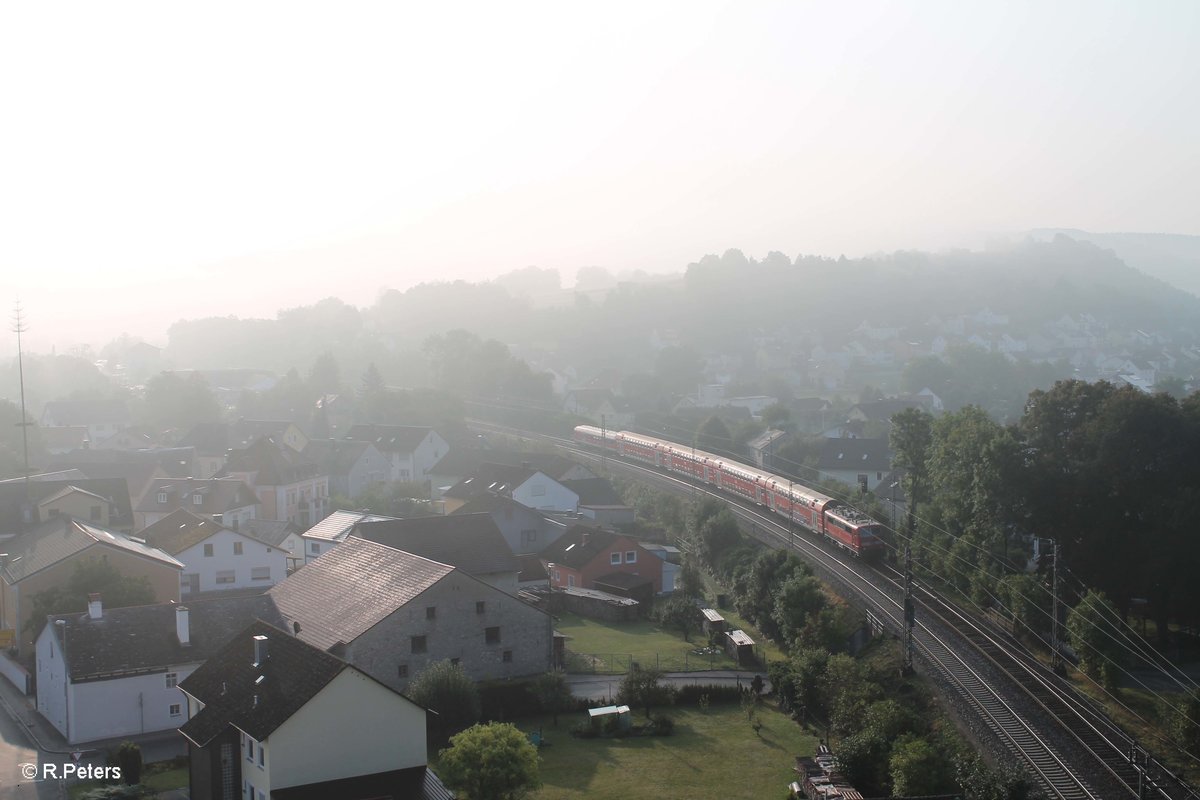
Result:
<point x="1056" y="657"/>
<point x="19" y="327"/>
<point x="910" y="612"/>
<point x="603" y="444"/>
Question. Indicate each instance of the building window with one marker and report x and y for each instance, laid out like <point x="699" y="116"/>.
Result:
<point x="262" y="756"/>
<point x="430" y="612"/>
<point x="418" y="644"/>
<point x="162" y="497"/>
<point x="197" y="499"/>
<point x="491" y="635"/>
<point x="614" y="558"/>
<point x="208" y="551"/>
<point x="249" y="749"/>
<point x="172" y="679"/>
<point x="556" y="576"/>
<point x="237" y="548"/>
<point x="528" y="537"/>
<point x="570" y="581"/>
<point x="226" y="576"/>
<point x="313" y="547"/>
<point x="260" y="573"/>
<point x="94" y="513"/>
<point x="402" y="670"/>
<point x="176" y="709"/>
<point x="507" y="657"/>
<point x="631" y="556"/>
<point x="480" y="606"/>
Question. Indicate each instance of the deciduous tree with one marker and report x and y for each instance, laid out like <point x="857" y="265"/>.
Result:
<point x="490" y="762"/>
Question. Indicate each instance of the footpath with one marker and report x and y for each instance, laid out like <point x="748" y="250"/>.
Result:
<point x="599" y="687"/>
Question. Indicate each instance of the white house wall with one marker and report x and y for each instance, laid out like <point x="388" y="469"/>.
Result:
<point x="545" y="494"/>
<point x="254" y="554"/>
<point x="51" y="674"/>
<point x="354" y="726"/>
<point x="126" y="706"/>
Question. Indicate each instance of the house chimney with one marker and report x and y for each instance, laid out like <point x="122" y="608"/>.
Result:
<point x="95" y="607"/>
<point x="182" y="628"/>
<point x="260" y="650"/>
<point x="583" y="538"/>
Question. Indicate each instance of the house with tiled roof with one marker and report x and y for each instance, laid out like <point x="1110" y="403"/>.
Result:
<point x="471" y="542"/>
<point x="460" y="463"/>
<point x="526" y="530"/>
<point x="599" y="502"/>
<point x="102" y="418"/>
<point x="137" y="467"/>
<point x="392" y="613"/>
<point x="411" y="450"/>
<point x="352" y="467"/>
<point x="288" y="485"/>
<point x="228" y="501"/>
<point x="214" y="557"/>
<point x="21" y="504"/>
<point x="272" y="716"/>
<point x="585" y="556"/>
<point x="113" y="672"/>
<point x="856" y="462"/>
<point x="528" y="486"/>
<point x="46" y="557"/>
<point x="333" y="530"/>
<point x="71" y="501"/>
<point x="281" y="534"/>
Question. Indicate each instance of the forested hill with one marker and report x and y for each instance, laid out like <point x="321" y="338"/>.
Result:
<point x="1171" y="257"/>
<point x="720" y="304"/>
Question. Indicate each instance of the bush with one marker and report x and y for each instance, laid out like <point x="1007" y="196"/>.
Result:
<point x="689" y="695"/>
<point x="446" y="689"/>
<point x="119" y="792"/>
<point x="584" y="730"/>
<point x="663" y="725"/>
<point x="128" y="757"/>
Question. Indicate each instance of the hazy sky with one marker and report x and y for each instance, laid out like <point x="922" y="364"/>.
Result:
<point x="160" y="161"/>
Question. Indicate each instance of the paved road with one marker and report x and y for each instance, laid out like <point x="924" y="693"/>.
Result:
<point x="17" y="749"/>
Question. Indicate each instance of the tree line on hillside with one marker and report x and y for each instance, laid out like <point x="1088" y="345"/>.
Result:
<point x="1108" y="472"/>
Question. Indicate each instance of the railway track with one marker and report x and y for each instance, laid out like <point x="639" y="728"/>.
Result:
<point x="1070" y="748"/>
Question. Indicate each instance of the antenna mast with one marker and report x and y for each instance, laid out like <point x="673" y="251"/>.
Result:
<point x="19" y="327"/>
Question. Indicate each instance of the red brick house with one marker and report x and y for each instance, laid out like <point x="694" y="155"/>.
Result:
<point x="584" y="555"/>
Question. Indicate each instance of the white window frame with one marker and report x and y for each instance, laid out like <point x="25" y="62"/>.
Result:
<point x="171" y="679"/>
<point x="256" y="574"/>
<point x="631" y="556"/>
<point x="225" y="576"/>
<point x="175" y="710"/>
<point x="614" y="559"/>
<point x="162" y="498"/>
<point x="238" y="549"/>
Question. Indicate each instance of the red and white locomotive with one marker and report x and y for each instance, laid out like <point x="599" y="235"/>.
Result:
<point x="818" y="512"/>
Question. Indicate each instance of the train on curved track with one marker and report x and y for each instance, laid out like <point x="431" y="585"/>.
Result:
<point x="825" y="516"/>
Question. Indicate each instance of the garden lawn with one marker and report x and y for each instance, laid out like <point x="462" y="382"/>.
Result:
<point x="710" y="754"/>
<point x="608" y="647"/>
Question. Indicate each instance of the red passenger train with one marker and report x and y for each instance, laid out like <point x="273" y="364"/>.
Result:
<point x="820" y="513"/>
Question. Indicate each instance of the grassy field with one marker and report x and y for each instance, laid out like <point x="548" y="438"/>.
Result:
<point x="610" y="646"/>
<point x="712" y="754"/>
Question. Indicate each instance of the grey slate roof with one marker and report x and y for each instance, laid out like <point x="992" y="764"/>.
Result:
<point x="462" y="462"/>
<point x="218" y="495"/>
<point x="490" y="478"/>
<point x="571" y="550"/>
<point x="270" y="464"/>
<point x="142" y="638"/>
<point x="871" y="455"/>
<point x="293" y="674"/>
<point x="471" y="542"/>
<point x="346" y="591"/>
<point x="182" y="529"/>
<point x="273" y="532"/>
<point x="390" y="438"/>
<point x="62" y="537"/>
